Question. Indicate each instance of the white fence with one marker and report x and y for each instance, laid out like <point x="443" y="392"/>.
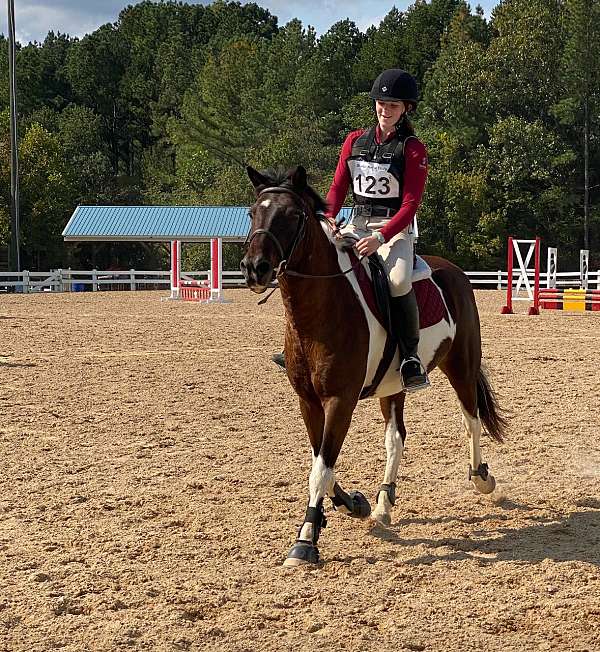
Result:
<point x="71" y="280"/>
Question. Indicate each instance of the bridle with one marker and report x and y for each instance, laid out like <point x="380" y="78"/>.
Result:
<point x="300" y="232"/>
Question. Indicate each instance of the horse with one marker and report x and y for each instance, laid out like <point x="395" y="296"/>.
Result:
<point x="334" y="345"/>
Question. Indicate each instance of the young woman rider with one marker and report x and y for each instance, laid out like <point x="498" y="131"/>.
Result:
<point x="386" y="166"/>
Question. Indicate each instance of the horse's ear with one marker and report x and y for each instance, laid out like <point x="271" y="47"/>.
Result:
<point x="297" y="176"/>
<point x="256" y="177"/>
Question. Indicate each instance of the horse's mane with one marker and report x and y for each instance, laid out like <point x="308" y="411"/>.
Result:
<point x="279" y="177"/>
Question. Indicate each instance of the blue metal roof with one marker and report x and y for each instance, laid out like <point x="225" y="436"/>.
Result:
<point x="161" y="223"/>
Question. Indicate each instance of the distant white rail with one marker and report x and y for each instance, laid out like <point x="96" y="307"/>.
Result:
<point x="73" y="280"/>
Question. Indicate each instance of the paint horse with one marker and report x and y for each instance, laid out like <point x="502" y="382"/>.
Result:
<point x="334" y="345"/>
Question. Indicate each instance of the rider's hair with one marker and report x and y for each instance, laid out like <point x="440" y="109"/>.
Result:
<point x="404" y="126"/>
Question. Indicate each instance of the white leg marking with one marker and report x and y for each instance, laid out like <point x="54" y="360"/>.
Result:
<point x="320" y="483"/>
<point x="394" y="447"/>
<point x="473" y="427"/>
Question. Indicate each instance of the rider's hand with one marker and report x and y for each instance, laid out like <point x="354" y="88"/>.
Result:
<point x="368" y="246"/>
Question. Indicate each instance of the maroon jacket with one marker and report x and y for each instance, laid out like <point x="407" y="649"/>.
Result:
<point x="415" y="176"/>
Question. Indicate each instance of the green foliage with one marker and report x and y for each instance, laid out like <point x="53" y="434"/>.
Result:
<point x="383" y="48"/>
<point x="424" y="25"/>
<point x="325" y="83"/>
<point x="160" y="105"/>
<point x="358" y="112"/>
<point x="47" y="195"/>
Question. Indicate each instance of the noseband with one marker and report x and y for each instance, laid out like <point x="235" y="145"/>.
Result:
<point x="300" y="231"/>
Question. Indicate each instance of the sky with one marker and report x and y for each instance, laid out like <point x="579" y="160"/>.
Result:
<point x="35" y="18"/>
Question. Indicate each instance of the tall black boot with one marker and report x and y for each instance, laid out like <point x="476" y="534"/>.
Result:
<point x="405" y="324"/>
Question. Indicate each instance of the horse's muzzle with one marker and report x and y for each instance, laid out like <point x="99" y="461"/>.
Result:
<point x="257" y="271"/>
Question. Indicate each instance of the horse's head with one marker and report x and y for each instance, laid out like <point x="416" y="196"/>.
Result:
<point x="278" y="218"/>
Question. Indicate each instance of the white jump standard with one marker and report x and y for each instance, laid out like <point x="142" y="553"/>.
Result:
<point x="578" y="299"/>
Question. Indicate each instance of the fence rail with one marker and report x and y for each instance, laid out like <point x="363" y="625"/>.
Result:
<point x="75" y="280"/>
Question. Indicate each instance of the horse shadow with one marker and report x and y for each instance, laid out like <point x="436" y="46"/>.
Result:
<point x="564" y="537"/>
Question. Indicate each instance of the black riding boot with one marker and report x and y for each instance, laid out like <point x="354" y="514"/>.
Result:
<point x="405" y="325"/>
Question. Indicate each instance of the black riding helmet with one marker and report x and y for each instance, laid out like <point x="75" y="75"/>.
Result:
<point x="395" y="85"/>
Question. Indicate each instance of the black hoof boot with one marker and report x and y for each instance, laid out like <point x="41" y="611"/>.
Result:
<point x="279" y="359"/>
<point x="352" y="504"/>
<point x="305" y="551"/>
<point x="361" y="508"/>
<point x="301" y="554"/>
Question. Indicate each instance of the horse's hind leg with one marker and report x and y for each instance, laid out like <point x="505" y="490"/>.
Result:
<point x="465" y="386"/>
<point x="479" y="475"/>
<point x="392" y="408"/>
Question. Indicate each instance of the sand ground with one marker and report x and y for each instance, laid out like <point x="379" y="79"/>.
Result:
<point x="155" y="469"/>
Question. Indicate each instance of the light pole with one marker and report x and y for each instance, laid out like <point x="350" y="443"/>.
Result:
<point x="15" y="250"/>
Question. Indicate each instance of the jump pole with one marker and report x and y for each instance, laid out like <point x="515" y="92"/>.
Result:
<point x="578" y="300"/>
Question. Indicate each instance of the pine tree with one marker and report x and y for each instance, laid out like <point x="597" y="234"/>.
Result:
<point x="580" y="105"/>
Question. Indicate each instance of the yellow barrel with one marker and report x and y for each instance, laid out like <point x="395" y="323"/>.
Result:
<point x="574" y="300"/>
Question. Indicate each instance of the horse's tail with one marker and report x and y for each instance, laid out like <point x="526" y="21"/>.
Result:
<point x="494" y="419"/>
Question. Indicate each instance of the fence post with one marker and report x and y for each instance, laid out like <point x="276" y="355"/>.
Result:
<point x="95" y="280"/>
<point x="67" y="280"/>
<point x="59" y="284"/>
<point x="132" y="279"/>
<point x="499" y="287"/>
<point x="25" y="288"/>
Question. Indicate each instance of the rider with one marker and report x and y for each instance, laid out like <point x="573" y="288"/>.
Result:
<point x="386" y="166"/>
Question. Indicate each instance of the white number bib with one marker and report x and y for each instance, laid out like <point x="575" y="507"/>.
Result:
<point x="374" y="180"/>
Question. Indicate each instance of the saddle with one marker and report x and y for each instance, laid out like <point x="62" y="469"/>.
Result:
<point x="373" y="282"/>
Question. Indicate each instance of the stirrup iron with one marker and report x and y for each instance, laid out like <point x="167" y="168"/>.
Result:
<point x="421" y="380"/>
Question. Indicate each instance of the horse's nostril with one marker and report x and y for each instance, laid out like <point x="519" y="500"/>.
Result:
<point x="263" y="268"/>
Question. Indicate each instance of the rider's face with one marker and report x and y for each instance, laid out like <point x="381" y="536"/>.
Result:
<point x="388" y="113"/>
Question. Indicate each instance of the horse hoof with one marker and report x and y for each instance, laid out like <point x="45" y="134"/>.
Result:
<point x="484" y="486"/>
<point x="361" y="507"/>
<point x="302" y="553"/>
<point x="382" y="518"/>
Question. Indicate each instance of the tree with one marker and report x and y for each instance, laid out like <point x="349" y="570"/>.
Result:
<point x="424" y="25"/>
<point x="325" y="83"/>
<point x="47" y="196"/>
<point x="524" y="59"/>
<point x="383" y="48"/>
<point x="580" y="105"/>
<point x="95" y="67"/>
<point x="457" y="92"/>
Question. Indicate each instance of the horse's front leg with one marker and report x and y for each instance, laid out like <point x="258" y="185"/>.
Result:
<point x="327" y="427"/>
<point x="392" y="408"/>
